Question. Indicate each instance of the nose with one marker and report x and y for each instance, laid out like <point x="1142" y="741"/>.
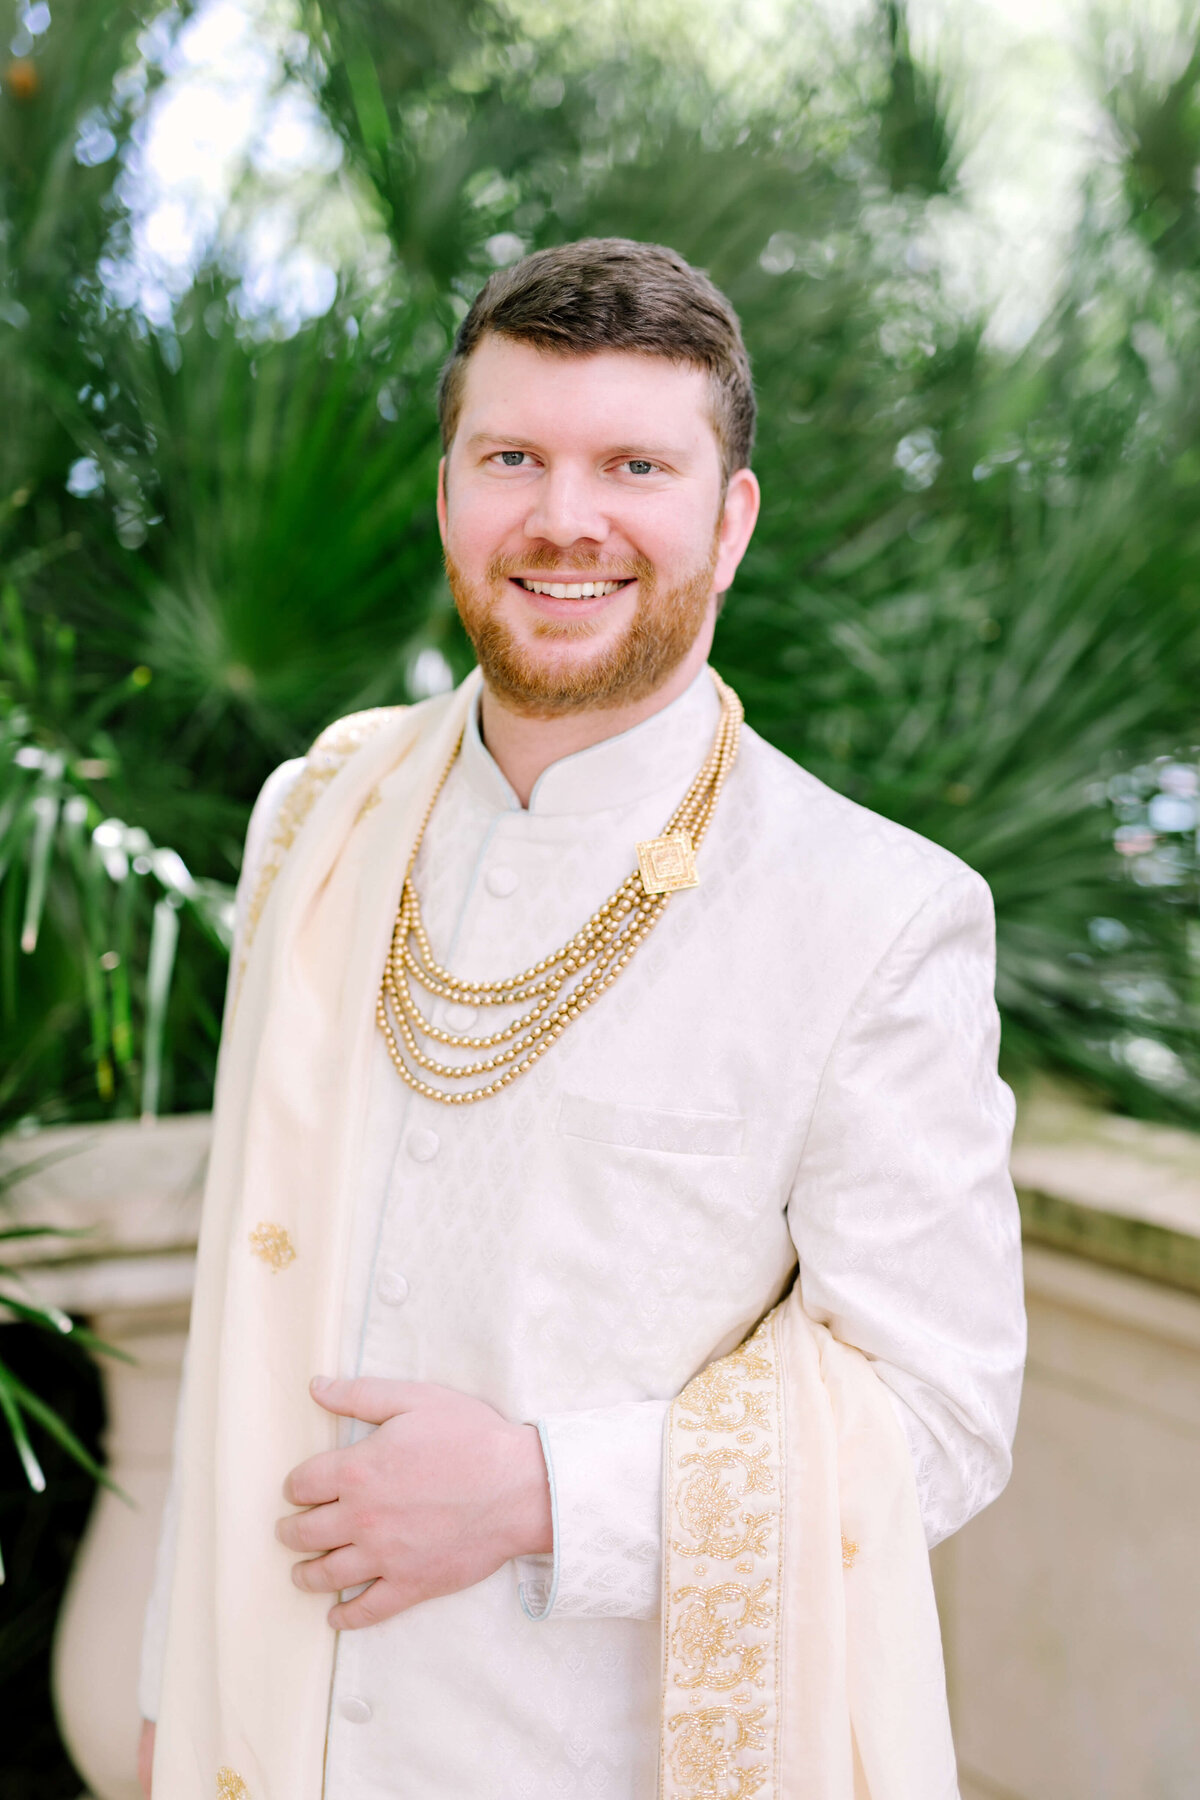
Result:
<point x="566" y="510"/>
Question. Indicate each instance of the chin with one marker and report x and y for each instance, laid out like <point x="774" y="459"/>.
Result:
<point x="563" y="665"/>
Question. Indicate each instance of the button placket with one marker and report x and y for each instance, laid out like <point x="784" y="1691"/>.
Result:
<point x="392" y="1286"/>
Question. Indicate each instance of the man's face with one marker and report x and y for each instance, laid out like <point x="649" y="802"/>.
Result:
<point x="598" y="473"/>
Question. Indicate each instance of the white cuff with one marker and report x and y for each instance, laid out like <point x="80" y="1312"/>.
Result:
<point x="605" y="1471"/>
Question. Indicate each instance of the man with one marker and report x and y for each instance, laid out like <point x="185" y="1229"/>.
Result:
<point x="571" y="1027"/>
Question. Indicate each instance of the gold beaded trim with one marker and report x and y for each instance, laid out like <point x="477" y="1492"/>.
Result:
<point x="552" y="992"/>
<point x="723" y="1579"/>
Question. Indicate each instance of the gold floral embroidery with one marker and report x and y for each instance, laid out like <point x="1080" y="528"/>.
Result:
<point x="760" y="1477"/>
<point x="704" y="1636"/>
<point x="708" y="1511"/>
<point x="273" y="1244"/>
<point x="708" y="1507"/>
<point x="230" y="1786"/>
<point x="849" y="1552"/>
<point x="712" y="1391"/>
<point x="722" y="1635"/>
<point x="706" y="1758"/>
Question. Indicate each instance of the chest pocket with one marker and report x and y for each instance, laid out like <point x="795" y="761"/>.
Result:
<point x="645" y="1128"/>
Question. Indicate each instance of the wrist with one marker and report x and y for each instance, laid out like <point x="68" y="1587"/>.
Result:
<point x="531" y="1514"/>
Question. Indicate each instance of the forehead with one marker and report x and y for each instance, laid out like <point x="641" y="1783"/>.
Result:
<point x="563" y="398"/>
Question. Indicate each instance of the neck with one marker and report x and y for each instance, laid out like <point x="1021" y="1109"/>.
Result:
<point x="524" y="747"/>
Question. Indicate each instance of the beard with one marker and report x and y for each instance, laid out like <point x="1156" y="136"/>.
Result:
<point x="654" y="642"/>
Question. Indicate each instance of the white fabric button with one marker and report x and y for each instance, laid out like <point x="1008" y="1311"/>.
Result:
<point x="461" y="1018"/>
<point x="502" y="882"/>
<point x="356" y="1710"/>
<point x="392" y="1287"/>
<point x="423" y="1144"/>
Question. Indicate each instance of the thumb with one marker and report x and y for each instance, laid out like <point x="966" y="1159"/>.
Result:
<point x="369" y="1397"/>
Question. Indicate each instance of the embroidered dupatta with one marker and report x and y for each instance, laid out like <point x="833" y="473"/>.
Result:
<point x="801" y="1650"/>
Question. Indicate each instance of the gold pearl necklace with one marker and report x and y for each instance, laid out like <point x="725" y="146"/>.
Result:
<point x="556" y="990"/>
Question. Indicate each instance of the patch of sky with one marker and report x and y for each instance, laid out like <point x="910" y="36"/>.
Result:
<point x="32" y="22"/>
<point x="85" y="477"/>
<point x="232" y="164"/>
<point x="95" y="143"/>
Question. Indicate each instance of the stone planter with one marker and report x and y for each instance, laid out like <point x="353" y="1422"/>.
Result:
<point x="1069" y="1608"/>
<point x="135" y="1190"/>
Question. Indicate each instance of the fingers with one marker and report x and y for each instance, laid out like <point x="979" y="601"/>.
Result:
<point x="343" y="1568"/>
<point x="316" y="1481"/>
<point x="371" y="1398"/>
<point x="322" y="1528"/>
<point x="380" y="1601"/>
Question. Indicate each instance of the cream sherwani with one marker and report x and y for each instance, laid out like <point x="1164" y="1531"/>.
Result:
<point x="797" y="1068"/>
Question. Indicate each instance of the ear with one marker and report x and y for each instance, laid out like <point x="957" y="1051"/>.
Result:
<point x="441" y="500"/>
<point x="742" y="500"/>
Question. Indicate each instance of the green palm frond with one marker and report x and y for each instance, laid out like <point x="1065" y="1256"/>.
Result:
<point x="298" y="542"/>
<point x="92" y="902"/>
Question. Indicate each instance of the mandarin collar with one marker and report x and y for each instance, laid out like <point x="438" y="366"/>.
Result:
<point x="664" y="750"/>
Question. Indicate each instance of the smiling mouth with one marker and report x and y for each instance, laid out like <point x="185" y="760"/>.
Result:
<point x="571" y="590"/>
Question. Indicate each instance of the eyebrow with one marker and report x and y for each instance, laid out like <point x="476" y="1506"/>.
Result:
<point x="649" y="452"/>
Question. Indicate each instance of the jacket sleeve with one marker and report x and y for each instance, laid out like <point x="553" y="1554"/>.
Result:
<point x="908" y="1238"/>
<point x="903" y="1213"/>
<point x="605" y="1470"/>
<point x="154" y="1634"/>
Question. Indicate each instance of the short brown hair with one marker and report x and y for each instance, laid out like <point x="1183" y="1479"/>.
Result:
<point x="614" y="294"/>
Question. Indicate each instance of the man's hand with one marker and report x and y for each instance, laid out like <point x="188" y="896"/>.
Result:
<point x="443" y="1493"/>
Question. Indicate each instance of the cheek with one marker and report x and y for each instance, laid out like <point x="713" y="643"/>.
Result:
<point x="477" y="521"/>
<point x="463" y="535"/>
<point x="675" y="545"/>
<point x="673" y="531"/>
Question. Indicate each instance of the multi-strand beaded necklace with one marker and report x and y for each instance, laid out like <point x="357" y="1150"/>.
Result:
<point x="556" y="990"/>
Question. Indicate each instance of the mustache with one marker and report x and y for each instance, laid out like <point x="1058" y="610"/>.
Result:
<point x="544" y="559"/>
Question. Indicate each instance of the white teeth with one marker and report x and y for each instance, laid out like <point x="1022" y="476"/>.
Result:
<point x="572" y="590"/>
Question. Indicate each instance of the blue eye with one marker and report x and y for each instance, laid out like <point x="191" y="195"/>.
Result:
<point x="512" y="459"/>
<point x="638" y="466"/>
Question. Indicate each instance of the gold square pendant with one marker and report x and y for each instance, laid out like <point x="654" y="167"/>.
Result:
<point x="668" y="863"/>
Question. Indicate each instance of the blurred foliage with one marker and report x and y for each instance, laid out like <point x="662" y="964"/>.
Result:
<point x="918" y="147"/>
<point x="971" y="602"/>
<point x="89" y="906"/>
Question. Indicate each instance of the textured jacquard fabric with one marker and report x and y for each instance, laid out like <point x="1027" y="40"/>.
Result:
<point x="798" y="1065"/>
<point x="607" y="1504"/>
